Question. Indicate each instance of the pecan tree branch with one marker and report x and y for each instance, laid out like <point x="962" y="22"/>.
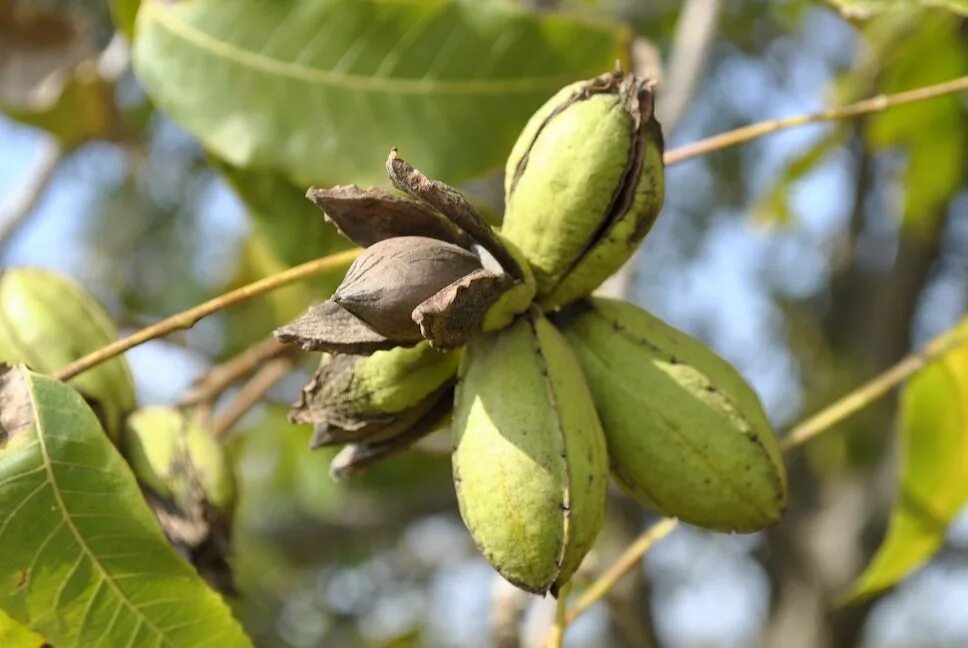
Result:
<point x="221" y="376"/>
<point x="759" y="129"/>
<point x="625" y="563"/>
<point x="187" y="319"/>
<point x="251" y="393"/>
<point x="874" y="388"/>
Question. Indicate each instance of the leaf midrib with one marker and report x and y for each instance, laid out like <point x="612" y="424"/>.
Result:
<point x="62" y="507"/>
<point x="166" y="17"/>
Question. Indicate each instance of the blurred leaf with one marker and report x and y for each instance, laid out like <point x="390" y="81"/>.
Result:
<point x="321" y="90"/>
<point x="14" y="635"/>
<point x="868" y="8"/>
<point x="36" y="47"/>
<point x="934" y="471"/>
<point x="83" y="559"/>
<point x="82" y="110"/>
<point x="47" y="321"/>
<point x="933" y="133"/>
<point x="124" y="13"/>
<point x="280" y="477"/>
<point x="49" y="76"/>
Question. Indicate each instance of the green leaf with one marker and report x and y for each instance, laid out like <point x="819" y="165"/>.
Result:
<point x="14" y="635"/>
<point x="82" y="110"/>
<point x="320" y="90"/>
<point x="864" y="9"/>
<point x="83" y="559"/>
<point x="934" y="471"/>
<point x="123" y="13"/>
<point x="281" y="478"/>
<point x="934" y="133"/>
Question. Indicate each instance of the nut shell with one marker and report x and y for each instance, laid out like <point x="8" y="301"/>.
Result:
<point x="392" y="277"/>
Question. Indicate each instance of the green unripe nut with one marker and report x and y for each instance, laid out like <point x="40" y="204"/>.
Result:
<point x="514" y="300"/>
<point x="389" y="382"/>
<point x="686" y="434"/>
<point x="529" y="458"/>
<point x="47" y="321"/>
<point x="354" y="398"/>
<point x="177" y="460"/>
<point x="584" y="183"/>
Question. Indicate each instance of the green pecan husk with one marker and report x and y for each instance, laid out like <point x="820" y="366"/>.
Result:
<point x="529" y="458"/>
<point x="686" y="434"/>
<point x="48" y="321"/>
<point x="187" y="479"/>
<point x="584" y="183"/>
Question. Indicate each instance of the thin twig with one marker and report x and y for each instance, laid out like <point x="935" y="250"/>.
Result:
<point x="221" y="376"/>
<point x="873" y="389"/>
<point x="556" y="635"/>
<point x="625" y="563"/>
<point x="23" y="202"/>
<point x="759" y="129"/>
<point x="187" y="319"/>
<point x="251" y="393"/>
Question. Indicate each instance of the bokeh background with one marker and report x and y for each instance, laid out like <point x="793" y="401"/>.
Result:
<point x="811" y="259"/>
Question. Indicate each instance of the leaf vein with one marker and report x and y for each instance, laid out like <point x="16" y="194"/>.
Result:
<point x="21" y="505"/>
<point x="68" y="519"/>
<point x="166" y="18"/>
